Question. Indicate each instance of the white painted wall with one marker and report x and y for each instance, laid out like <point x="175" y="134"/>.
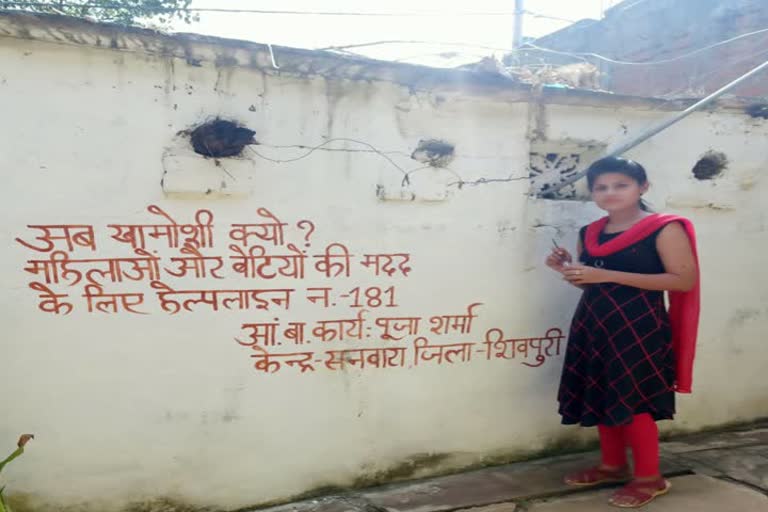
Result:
<point x="131" y="407"/>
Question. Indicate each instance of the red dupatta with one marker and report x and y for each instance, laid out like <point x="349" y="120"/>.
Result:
<point x="683" y="306"/>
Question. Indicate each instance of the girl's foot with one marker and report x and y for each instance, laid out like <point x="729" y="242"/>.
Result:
<point x="597" y="475"/>
<point x="638" y="493"/>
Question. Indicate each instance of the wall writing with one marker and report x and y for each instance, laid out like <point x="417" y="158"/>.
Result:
<point x="179" y="268"/>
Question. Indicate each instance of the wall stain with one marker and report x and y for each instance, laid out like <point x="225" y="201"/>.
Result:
<point x="743" y="316"/>
<point x="402" y="470"/>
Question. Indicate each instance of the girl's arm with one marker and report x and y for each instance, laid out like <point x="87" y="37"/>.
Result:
<point x="676" y="254"/>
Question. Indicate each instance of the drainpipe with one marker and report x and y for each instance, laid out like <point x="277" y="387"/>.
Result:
<point x="623" y="148"/>
<point x="517" y="39"/>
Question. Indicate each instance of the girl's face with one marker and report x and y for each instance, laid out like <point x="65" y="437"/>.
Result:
<point x="616" y="192"/>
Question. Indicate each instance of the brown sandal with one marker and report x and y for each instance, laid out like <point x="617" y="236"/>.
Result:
<point x="641" y="493"/>
<point x="596" y="476"/>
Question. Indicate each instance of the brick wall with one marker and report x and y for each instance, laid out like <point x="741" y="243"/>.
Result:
<point x="653" y="30"/>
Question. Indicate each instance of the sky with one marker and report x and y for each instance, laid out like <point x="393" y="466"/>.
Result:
<point x="466" y="32"/>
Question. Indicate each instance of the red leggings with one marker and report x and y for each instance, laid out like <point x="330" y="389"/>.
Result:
<point x="642" y="435"/>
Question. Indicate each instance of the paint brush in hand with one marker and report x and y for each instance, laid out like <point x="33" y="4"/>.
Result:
<point x="561" y="253"/>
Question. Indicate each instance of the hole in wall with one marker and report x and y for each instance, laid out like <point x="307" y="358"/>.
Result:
<point x="434" y="152"/>
<point x="221" y="138"/>
<point x="710" y="165"/>
<point x="757" y="110"/>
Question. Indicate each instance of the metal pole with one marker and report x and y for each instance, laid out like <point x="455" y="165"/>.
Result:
<point x="623" y="148"/>
<point x="517" y="40"/>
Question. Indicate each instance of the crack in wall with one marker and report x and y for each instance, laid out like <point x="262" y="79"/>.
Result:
<point x="486" y="181"/>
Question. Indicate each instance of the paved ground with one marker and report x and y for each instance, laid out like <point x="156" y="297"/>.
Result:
<point x="720" y="472"/>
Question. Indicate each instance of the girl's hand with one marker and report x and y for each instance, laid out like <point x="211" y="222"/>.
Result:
<point x="581" y="274"/>
<point x="559" y="260"/>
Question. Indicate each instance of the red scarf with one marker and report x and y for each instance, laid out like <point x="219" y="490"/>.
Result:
<point x="683" y="306"/>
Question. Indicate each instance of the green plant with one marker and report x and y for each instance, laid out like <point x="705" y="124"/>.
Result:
<point x="23" y="440"/>
<point x="126" y="12"/>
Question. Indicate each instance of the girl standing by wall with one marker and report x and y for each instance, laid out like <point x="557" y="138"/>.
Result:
<point x="626" y="355"/>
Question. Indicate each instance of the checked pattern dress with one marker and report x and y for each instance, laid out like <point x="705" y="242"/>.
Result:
<point x="619" y="360"/>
